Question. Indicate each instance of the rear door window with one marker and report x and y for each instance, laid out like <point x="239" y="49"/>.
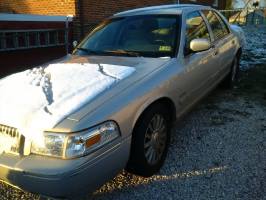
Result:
<point x="225" y="27"/>
<point x="218" y="27"/>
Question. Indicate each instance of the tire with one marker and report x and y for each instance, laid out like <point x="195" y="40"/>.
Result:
<point x="233" y="76"/>
<point x="150" y="141"/>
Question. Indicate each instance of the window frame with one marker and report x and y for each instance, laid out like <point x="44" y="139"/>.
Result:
<point x="177" y="36"/>
<point x="185" y="31"/>
<point x="223" y="22"/>
<point x="214" y="40"/>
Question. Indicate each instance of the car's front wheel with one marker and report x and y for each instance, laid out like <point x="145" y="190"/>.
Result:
<point x="150" y="141"/>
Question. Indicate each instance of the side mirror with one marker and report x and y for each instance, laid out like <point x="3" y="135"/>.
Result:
<point x="75" y="43"/>
<point x="198" y="45"/>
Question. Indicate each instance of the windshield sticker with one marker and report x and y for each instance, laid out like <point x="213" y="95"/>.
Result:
<point x="165" y="48"/>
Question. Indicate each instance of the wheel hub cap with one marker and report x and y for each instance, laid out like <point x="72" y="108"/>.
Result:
<point x="155" y="139"/>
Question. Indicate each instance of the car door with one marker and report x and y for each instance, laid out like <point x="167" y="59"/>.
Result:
<point x="222" y="42"/>
<point x="198" y="65"/>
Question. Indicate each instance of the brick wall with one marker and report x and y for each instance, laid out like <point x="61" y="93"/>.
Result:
<point x="95" y="11"/>
<point x="101" y="8"/>
<point x="104" y="8"/>
<point x="40" y="7"/>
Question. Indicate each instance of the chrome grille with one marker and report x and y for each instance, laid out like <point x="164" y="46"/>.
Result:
<point x="10" y="140"/>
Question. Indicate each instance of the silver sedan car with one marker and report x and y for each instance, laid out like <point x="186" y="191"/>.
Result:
<point x="71" y="125"/>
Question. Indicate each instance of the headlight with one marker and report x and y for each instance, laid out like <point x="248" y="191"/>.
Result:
<point x="75" y="145"/>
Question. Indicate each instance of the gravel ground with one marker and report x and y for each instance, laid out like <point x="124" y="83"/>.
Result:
<point x="218" y="151"/>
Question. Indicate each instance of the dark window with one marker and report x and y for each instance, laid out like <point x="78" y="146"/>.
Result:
<point x="218" y="28"/>
<point x="151" y="36"/>
<point x="10" y="40"/>
<point x="42" y="38"/>
<point x="52" y="37"/>
<point x="61" y="37"/>
<point x="225" y="27"/>
<point x="21" y="39"/>
<point x="25" y="39"/>
<point x="195" y="28"/>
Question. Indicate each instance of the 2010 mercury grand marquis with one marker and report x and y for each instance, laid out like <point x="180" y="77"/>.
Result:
<point x="69" y="126"/>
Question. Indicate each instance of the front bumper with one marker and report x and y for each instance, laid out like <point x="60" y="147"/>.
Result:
<point x="64" y="178"/>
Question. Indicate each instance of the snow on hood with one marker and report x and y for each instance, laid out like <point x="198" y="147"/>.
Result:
<point x="36" y="100"/>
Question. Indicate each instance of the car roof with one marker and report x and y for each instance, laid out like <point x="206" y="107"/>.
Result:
<point x="163" y="9"/>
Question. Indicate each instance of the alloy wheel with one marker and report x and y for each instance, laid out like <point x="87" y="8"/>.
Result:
<point x="155" y="139"/>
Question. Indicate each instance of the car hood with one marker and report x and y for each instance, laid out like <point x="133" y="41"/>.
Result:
<point x="36" y="100"/>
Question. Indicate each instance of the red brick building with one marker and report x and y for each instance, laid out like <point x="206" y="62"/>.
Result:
<point x="88" y="13"/>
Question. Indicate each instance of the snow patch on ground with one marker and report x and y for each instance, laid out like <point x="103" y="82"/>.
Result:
<point x="254" y="52"/>
<point x="37" y="99"/>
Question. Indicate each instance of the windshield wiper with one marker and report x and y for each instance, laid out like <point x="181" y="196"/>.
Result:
<point x="107" y="52"/>
<point x="89" y="51"/>
<point x="123" y="52"/>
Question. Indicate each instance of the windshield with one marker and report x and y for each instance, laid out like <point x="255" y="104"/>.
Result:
<point x="147" y="36"/>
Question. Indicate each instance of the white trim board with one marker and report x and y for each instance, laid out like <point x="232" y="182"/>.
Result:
<point x="32" y="18"/>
